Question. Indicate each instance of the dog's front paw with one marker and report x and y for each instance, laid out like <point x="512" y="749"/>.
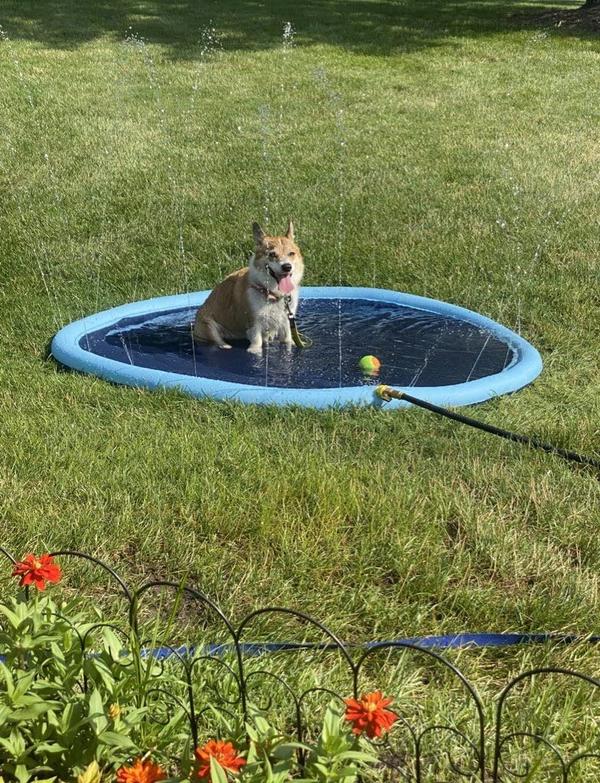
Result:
<point x="255" y="348"/>
<point x="225" y="347"/>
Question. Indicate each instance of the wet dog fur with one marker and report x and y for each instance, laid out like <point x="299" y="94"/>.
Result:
<point x="250" y="303"/>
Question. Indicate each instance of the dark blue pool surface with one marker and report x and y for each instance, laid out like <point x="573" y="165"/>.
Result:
<point x="416" y="347"/>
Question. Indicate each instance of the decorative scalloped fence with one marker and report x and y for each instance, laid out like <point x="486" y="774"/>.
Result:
<point x="540" y="725"/>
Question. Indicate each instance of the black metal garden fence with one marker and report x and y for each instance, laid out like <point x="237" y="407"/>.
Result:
<point x="477" y="742"/>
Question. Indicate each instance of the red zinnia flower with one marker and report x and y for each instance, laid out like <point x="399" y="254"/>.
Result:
<point x="223" y="752"/>
<point x="142" y="771"/>
<point x="37" y="571"/>
<point x="369" y="714"/>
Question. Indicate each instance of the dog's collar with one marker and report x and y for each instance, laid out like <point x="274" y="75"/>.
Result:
<point x="271" y="296"/>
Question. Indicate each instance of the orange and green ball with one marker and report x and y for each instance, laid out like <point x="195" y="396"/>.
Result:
<point x="369" y="365"/>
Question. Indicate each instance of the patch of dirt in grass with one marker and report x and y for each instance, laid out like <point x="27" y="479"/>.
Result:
<point x="586" y="17"/>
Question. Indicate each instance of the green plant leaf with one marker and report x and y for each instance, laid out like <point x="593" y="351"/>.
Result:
<point x="356" y="755"/>
<point x="23" y="684"/>
<point x="8" y="679"/>
<point x="18" y="742"/>
<point x="31" y="712"/>
<point x="49" y="747"/>
<point x="22" y="774"/>
<point x="96" y="713"/>
<point x="115" y="739"/>
<point x="91" y="774"/>
<point x="12" y="617"/>
<point x="217" y="773"/>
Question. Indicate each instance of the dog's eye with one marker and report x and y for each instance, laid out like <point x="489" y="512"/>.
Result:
<point x="272" y="254"/>
<point x="291" y="253"/>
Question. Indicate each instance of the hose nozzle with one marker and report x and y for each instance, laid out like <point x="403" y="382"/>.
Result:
<point x="386" y="393"/>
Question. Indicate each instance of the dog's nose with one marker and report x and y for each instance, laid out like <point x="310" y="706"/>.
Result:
<point x="286" y="267"/>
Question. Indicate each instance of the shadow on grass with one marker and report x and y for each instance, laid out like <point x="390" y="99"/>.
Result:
<point x="376" y="27"/>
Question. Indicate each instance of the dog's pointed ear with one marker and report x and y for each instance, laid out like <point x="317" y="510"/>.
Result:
<point x="259" y="234"/>
<point x="290" y="230"/>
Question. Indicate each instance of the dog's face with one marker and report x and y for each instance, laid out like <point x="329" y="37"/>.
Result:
<point x="277" y="261"/>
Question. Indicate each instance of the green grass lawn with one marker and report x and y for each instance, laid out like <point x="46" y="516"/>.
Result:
<point x="459" y="145"/>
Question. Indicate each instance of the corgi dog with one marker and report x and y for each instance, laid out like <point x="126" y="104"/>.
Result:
<point x="253" y="303"/>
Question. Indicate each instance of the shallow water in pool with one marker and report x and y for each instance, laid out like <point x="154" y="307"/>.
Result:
<point x="415" y="347"/>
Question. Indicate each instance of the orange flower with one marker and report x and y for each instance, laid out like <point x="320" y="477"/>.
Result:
<point x="223" y="752"/>
<point x="37" y="571"/>
<point x="143" y="771"/>
<point x="369" y="714"/>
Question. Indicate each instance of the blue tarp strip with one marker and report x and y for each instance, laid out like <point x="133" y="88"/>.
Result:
<point x="443" y="642"/>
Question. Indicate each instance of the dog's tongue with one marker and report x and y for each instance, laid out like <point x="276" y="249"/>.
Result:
<point x="285" y="284"/>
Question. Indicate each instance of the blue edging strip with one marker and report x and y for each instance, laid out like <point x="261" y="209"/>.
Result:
<point x="444" y="642"/>
<point x="525" y="367"/>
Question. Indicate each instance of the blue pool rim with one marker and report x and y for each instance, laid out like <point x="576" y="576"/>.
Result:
<point x="523" y="369"/>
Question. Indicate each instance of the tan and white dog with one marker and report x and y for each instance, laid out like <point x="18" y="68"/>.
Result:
<point x="253" y="302"/>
